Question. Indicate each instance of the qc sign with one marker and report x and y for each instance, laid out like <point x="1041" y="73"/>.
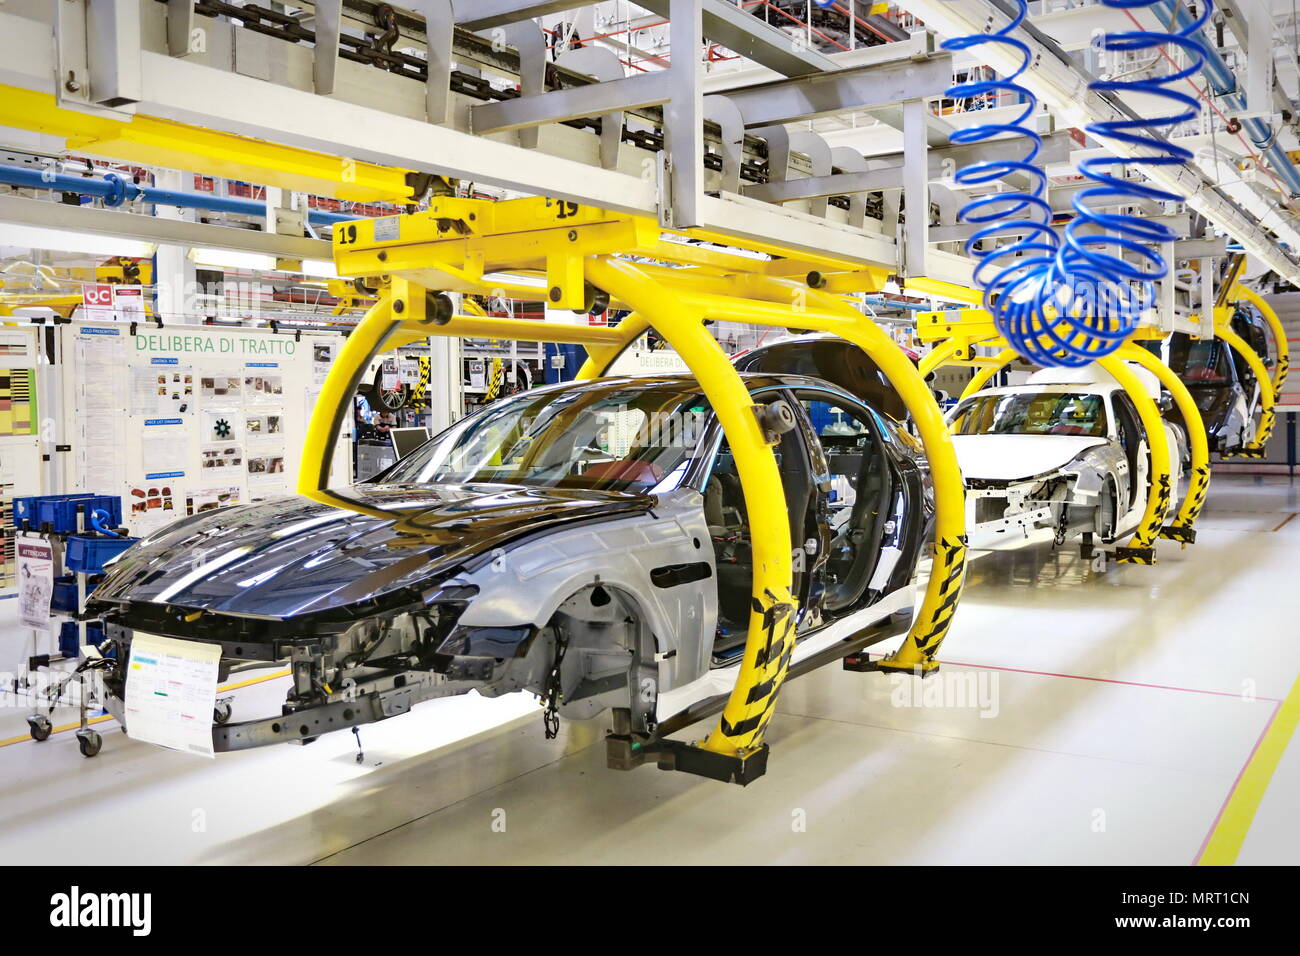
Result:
<point x="98" y="296"/>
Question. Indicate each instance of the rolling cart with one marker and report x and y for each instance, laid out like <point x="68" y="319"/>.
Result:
<point x="86" y="528"/>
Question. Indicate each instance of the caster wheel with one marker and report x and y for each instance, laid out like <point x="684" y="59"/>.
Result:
<point x="90" y="743"/>
<point x="221" y="713"/>
<point x="39" y="727"/>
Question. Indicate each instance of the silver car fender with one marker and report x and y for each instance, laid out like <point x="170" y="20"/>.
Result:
<point x="1090" y="471"/>
<point x="525" y="584"/>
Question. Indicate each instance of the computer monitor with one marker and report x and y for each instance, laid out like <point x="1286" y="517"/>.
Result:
<point x="406" y="440"/>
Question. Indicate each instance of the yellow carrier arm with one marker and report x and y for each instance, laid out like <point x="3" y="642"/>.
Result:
<point x="1267" y="397"/>
<point x="1183" y="527"/>
<point x="1280" y="343"/>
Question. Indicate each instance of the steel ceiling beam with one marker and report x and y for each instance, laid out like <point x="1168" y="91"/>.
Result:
<point x="734" y="27"/>
<point x="842" y="91"/>
<point x="1063" y="87"/>
<point x="741" y="32"/>
<point x="177" y="232"/>
<point x="943" y="161"/>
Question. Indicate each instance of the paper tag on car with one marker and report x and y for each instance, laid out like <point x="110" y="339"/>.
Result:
<point x="171" y="692"/>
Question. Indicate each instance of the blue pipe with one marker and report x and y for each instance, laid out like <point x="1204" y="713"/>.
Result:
<point x="1224" y="85"/>
<point x="881" y="301"/>
<point x="115" y="190"/>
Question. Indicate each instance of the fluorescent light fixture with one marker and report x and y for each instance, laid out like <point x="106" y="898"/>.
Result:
<point x="231" y="259"/>
<point x="512" y="278"/>
<point x="319" y="269"/>
<point x="61" y="240"/>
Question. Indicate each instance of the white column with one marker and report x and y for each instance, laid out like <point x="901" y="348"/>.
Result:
<point x="174" y="272"/>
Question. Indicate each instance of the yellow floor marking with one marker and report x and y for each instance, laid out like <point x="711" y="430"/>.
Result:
<point x="1229" y="833"/>
<point x="102" y="717"/>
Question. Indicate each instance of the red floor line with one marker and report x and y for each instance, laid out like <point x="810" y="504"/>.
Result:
<point x="1107" y="680"/>
<point x="1235" y="783"/>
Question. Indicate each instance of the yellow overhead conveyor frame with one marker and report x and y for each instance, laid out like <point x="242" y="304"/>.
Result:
<point x="156" y="142"/>
<point x="480" y="247"/>
<point x="958" y="334"/>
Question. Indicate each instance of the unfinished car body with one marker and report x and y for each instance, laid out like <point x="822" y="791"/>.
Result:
<point x="586" y="542"/>
<point x="1063" y="455"/>
<point x="1221" y="381"/>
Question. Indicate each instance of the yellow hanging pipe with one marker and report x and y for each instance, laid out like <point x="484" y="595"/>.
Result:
<point x="770" y="642"/>
<point x="1197" y="445"/>
<point x="1141" y="548"/>
<point x="1267" y="398"/>
<point x="985" y="375"/>
<point x="1280" y="342"/>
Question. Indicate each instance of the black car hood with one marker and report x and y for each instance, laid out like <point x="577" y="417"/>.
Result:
<point x="292" y="555"/>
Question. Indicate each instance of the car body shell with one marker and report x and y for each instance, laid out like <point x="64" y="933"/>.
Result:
<point x="1221" y="382"/>
<point x="1026" y="488"/>
<point x="386" y="593"/>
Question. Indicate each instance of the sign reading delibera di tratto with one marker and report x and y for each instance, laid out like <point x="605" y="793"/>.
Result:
<point x="213" y="343"/>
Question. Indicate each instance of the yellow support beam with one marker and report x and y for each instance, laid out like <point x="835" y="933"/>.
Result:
<point x="1183" y="527"/>
<point x="1280" y="343"/>
<point x="1267" y="398"/>
<point x="920" y="285"/>
<point x="155" y="142"/>
<point x="1141" y="548"/>
<point x="770" y="642"/>
<point x="601" y="357"/>
<point x="974" y="324"/>
<point x="985" y="375"/>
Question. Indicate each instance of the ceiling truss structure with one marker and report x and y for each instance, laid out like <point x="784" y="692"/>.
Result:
<point x="738" y="162"/>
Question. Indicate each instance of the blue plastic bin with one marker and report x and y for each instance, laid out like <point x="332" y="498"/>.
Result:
<point x="25" y="511"/>
<point x="70" y="646"/>
<point x="64" y="596"/>
<point x="58" y="513"/>
<point x="88" y="555"/>
<point x="112" y="504"/>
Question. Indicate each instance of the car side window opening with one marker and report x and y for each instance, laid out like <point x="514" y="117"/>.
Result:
<point x="1200" y="362"/>
<point x="861" y="488"/>
<point x="1128" y="427"/>
<point x="729" y="529"/>
<point x="604" y="439"/>
<point x="1251" y="330"/>
<point x="1033" y="413"/>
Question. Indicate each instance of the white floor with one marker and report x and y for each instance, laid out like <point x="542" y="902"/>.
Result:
<point x="1079" y="718"/>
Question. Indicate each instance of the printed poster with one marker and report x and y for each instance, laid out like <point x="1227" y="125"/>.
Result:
<point x="35" y="581"/>
<point x="171" y="691"/>
<point x="162" y="390"/>
<point x="209" y="499"/>
<point x="263" y="383"/>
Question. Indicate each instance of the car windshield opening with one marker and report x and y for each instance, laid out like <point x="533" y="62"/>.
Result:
<point x="1033" y="413"/>
<point x="616" y="438"/>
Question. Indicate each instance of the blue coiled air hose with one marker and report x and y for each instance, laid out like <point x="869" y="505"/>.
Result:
<point x="1067" y="303"/>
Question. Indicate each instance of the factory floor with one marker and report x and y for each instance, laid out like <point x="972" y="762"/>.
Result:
<point x="1140" y="716"/>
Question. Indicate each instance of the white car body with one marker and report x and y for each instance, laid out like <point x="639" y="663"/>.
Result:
<point x="1025" y="488"/>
